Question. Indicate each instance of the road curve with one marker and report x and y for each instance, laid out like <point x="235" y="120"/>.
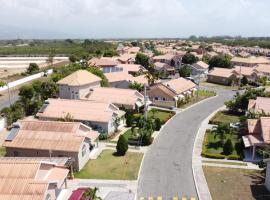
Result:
<point x="167" y="167"/>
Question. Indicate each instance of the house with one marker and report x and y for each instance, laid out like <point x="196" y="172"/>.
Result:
<point x="250" y="61"/>
<point x="133" y="69"/>
<point x="164" y="68"/>
<point x="33" y="138"/>
<point x="258" y="134"/>
<point x="223" y="76"/>
<point x="128" y="50"/>
<point x="249" y="72"/>
<point x="106" y="64"/>
<point x="199" y="67"/>
<point x="170" y="59"/>
<point x="125" y="59"/>
<point x="211" y="54"/>
<point x="98" y="115"/>
<point x="77" y="84"/>
<point x="263" y="70"/>
<point x="168" y="93"/>
<point x="261" y="104"/>
<point x="126" y="98"/>
<point x="123" y="79"/>
<point x="31" y="179"/>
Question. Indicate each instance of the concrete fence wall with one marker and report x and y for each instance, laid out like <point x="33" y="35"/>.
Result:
<point x="25" y="80"/>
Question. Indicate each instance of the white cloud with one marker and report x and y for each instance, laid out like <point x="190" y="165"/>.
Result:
<point x="139" y="18"/>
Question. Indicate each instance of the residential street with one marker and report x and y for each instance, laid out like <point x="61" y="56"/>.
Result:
<point x="167" y="168"/>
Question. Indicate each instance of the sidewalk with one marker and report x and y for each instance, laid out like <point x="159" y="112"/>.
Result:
<point x="198" y="174"/>
<point x="108" y="189"/>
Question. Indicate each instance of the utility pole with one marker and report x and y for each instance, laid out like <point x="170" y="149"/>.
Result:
<point x="145" y="103"/>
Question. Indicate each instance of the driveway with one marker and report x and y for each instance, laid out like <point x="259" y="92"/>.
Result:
<point x="167" y="170"/>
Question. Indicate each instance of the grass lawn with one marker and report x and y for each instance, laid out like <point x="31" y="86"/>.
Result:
<point x="109" y="166"/>
<point x="161" y="114"/>
<point x="199" y="96"/>
<point x="213" y="85"/>
<point x="224" y="117"/>
<point x="213" y="145"/>
<point x="227" y="183"/>
<point x="2" y="151"/>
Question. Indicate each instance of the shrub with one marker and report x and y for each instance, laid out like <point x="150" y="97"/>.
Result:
<point x="212" y="155"/>
<point x="33" y="68"/>
<point x="122" y="145"/>
<point x="147" y="139"/>
<point x="234" y="157"/>
<point x="157" y="124"/>
<point x="228" y="147"/>
<point x="103" y="137"/>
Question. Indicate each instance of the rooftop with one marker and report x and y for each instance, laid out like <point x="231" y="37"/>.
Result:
<point x="79" y="78"/>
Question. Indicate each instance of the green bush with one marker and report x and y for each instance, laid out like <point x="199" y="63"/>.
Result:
<point x="122" y="145"/>
<point x="234" y="157"/>
<point x="103" y="137"/>
<point x="211" y="155"/>
<point x="228" y="147"/>
<point x="147" y="139"/>
<point x="157" y="124"/>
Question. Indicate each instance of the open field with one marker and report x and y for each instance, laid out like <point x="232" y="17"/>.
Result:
<point x="237" y="184"/>
<point x="110" y="166"/>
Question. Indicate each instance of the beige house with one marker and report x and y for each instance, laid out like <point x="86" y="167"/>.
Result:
<point x="263" y="70"/>
<point x="164" y="68"/>
<point x="250" y="61"/>
<point x="261" y="104"/>
<point x="223" y="76"/>
<point x="122" y="98"/>
<point x="32" y="138"/>
<point x="124" y="79"/>
<point x="77" y="84"/>
<point x="200" y="67"/>
<point x="31" y="180"/>
<point x="249" y="72"/>
<point x="100" y="116"/>
<point x="133" y="69"/>
<point x="125" y="58"/>
<point x="168" y="93"/>
<point x="106" y="64"/>
<point x="258" y="134"/>
<point x="170" y="59"/>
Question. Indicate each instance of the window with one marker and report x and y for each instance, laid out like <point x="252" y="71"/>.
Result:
<point x="156" y="98"/>
<point x="164" y="99"/>
<point x="16" y="153"/>
<point x="83" y="150"/>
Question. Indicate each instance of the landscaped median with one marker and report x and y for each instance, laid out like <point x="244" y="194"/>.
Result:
<point x="111" y="166"/>
<point x="198" y="96"/>
<point x="224" y="117"/>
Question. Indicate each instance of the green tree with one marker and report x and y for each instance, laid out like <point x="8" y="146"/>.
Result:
<point x="221" y="131"/>
<point x="228" y="147"/>
<point x="2" y="83"/>
<point x="142" y="59"/>
<point x="110" y="53"/>
<point x="99" y="73"/>
<point x="189" y="58"/>
<point x="136" y="86"/>
<point x="263" y="80"/>
<point x="244" y="80"/>
<point x="122" y="145"/>
<point x="73" y="58"/>
<point x="222" y="61"/>
<point x="185" y="71"/>
<point x="50" y="58"/>
<point x="32" y="68"/>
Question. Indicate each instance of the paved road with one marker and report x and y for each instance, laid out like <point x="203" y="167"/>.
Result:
<point x="167" y="169"/>
<point x="5" y="102"/>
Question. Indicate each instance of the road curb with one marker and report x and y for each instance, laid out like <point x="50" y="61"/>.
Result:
<point x="198" y="175"/>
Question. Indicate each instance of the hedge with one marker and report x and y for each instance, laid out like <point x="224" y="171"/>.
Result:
<point x="233" y="157"/>
<point x="212" y="155"/>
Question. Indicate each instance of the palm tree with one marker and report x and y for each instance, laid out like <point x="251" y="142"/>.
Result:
<point x="221" y="131"/>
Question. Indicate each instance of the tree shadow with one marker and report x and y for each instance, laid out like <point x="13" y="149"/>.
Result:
<point x="214" y="145"/>
<point x="258" y="189"/>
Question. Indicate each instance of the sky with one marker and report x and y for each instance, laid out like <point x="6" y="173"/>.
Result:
<point x="52" y="19"/>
